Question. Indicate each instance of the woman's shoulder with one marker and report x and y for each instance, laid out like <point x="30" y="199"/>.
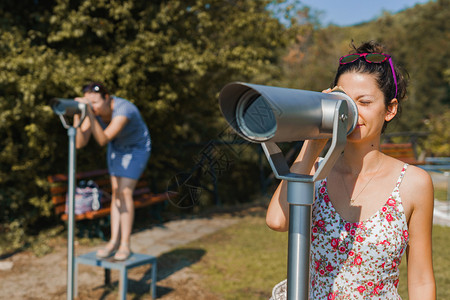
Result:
<point x="122" y="105"/>
<point x="416" y="187"/>
<point x="118" y="101"/>
<point x="417" y="178"/>
<point x="413" y="174"/>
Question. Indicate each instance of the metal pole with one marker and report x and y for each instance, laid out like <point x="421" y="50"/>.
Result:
<point x="71" y="132"/>
<point x="300" y="196"/>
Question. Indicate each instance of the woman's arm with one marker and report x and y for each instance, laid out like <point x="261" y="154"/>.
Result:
<point x="91" y="126"/>
<point x="103" y="137"/>
<point x="83" y="132"/>
<point x="419" y="190"/>
<point x="277" y="217"/>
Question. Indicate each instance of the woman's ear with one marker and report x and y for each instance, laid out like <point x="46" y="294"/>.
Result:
<point x="391" y="110"/>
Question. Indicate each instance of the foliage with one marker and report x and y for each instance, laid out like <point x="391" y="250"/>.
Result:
<point x="417" y="38"/>
<point x="438" y="140"/>
<point x="425" y="32"/>
<point x="438" y="126"/>
<point x="170" y="58"/>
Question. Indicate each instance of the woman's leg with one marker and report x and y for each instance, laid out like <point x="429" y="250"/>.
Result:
<point x="115" y="212"/>
<point x="126" y="210"/>
<point x="113" y="244"/>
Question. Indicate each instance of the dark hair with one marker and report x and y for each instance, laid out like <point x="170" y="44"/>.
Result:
<point x="382" y="72"/>
<point x="96" y="87"/>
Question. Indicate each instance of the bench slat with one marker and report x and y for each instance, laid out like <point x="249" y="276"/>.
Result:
<point x="80" y="175"/>
<point x="404" y="152"/>
<point x="105" y="211"/>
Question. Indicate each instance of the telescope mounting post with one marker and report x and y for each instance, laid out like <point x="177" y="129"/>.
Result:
<point x="71" y="132"/>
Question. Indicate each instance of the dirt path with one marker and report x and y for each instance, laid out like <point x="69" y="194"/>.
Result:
<point x="45" y="277"/>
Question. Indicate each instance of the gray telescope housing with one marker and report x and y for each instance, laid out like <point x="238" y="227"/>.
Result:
<point x="67" y="107"/>
<point x="261" y="113"/>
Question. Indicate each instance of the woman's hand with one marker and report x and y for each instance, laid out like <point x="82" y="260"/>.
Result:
<point x="76" y="117"/>
<point x="336" y="88"/>
<point x="85" y="101"/>
<point x="312" y="148"/>
<point x="83" y="129"/>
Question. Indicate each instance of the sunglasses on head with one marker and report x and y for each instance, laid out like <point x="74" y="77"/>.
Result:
<point x="91" y="88"/>
<point x="374" y="58"/>
<point x="95" y="87"/>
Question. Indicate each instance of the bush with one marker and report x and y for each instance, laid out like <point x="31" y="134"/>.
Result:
<point x="438" y="141"/>
<point x="170" y="58"/>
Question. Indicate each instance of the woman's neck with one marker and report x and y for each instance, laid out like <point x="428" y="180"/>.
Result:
<point x="359" y="158"/>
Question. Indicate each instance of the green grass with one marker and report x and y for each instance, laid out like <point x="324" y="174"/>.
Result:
<point x="440" y="193"/>
<point x="243" y="261"/>
<point x="246" y="260"/>
<point x="441" y="260"/>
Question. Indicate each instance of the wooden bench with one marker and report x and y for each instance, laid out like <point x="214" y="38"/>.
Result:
<point x="404" y="152"/>
<point x="142" y="195"/>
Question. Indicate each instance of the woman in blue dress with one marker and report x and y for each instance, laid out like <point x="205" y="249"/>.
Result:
<point x="116" y="122"/>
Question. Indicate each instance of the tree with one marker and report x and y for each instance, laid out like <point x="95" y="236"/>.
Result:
<point x="417" y="38"/>
<point x="170" y="58"/>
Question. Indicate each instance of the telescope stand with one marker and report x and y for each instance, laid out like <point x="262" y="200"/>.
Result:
<point x="300" y="196"/>
<point x="71" y="132"/>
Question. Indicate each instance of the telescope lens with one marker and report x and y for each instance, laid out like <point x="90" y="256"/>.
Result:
<point x="255" y="117"/>
<point x="57" y="106"/>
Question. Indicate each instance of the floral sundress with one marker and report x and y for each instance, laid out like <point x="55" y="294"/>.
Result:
<point x="355" y="260"/>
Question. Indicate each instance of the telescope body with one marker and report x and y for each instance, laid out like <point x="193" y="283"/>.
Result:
<point x="261" y="113"/>
<point x="67" y="107"/>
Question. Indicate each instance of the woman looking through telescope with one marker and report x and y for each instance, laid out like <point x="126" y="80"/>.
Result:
<point x="372" y="208"/>
<point x="116" y="122"/>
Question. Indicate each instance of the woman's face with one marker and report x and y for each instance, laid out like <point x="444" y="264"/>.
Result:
<point x="99" y="105"/>
<point x="364" y="90"/>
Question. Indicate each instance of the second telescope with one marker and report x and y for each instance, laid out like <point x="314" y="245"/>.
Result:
<point x="67" y="107"/>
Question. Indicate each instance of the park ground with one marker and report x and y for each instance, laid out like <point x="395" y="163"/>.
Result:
<point x="26" y="276"/>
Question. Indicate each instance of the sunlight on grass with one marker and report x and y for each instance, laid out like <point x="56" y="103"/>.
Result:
<point x="246" y="260"/>
<point x="440" y="194"/>
<point x="243" y="261"/>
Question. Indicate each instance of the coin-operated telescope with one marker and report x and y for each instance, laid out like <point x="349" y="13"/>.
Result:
<point x="267" y="115"/>
<point x="66" y="108"/>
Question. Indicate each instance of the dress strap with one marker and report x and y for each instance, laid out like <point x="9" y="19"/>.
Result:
<point x="402" y="174"/>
